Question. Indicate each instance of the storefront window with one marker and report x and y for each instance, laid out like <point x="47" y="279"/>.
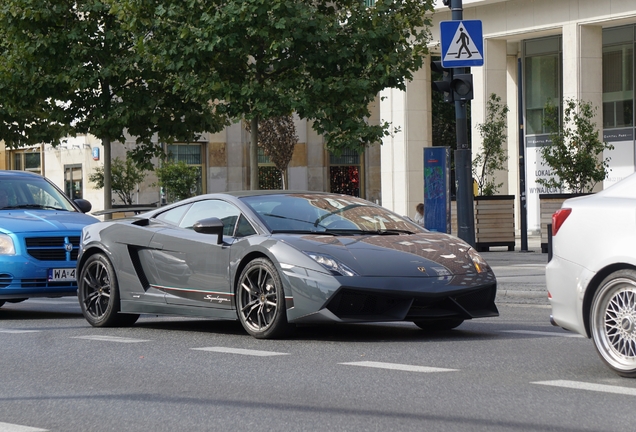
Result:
<point x="269" y="177"/>
<point x="345" y="173"/>
<point x="542" y="80"/>
<point x="27" y="160"/>
<point x="618" y="78"/>
<point x="73" y="185"/>
<point x="191" y="154"/>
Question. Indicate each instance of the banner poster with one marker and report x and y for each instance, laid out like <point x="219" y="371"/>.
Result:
<point x="437" y="215"/>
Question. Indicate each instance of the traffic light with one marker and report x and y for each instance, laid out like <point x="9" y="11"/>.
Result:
<point x="443" y="86"/>
<point x="462" y="86"/>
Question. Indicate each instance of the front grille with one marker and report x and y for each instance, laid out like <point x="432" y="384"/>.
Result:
<point x="44" y="283"/>
<point x="354" y="304"/>
<point x="53" y="248"/>
<point x="5" y="280"/>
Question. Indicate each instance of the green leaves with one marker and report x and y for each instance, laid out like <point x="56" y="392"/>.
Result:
<point x="576" y="153"/>
<point x="492" y="155"/>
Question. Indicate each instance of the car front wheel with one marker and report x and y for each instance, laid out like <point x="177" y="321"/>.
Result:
<point x="613" y="322"/>
<point x="261" y="300"/>
<point x="98" y="294"/>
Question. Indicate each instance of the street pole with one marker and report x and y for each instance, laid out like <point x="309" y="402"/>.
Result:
<point x="463" y="158"/>
<point x="523" y="210"/>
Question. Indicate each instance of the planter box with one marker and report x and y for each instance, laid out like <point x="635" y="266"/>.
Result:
<point x="494" y="222"/>
<point x="548" y="204"/>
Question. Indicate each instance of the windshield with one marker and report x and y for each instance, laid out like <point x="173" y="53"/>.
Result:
<point x="336" y="214"/>
<point x="31" y="193"/>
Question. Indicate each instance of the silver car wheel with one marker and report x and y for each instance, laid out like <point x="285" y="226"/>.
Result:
<point x="96" y="289"/>
<point x="613" y="322"/>
<point x="261" y="300"/>
<point x="98" y="294"/>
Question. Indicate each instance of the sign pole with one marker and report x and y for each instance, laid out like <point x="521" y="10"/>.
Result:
<point x="463" y="158"/>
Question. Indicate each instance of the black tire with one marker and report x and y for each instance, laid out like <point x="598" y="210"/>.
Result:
<point x="98" y="294"/>
<point x="613" y="322"/>
<point x="1" y="303"/>
<point x="261" y="300"/>
<point x="439" y="325"/>
<point x="14" y="301"/>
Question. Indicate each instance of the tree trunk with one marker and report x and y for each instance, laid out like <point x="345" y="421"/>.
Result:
<point x="254" y="154"/>
<point x="108" y="191"/>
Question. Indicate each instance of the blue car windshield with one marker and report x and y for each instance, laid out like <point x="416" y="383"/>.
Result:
<point x="32" y="193"/>
<point x="326" y="213"/>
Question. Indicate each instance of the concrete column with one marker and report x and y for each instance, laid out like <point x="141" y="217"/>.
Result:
<point x="583" y="68"/>
<point x="583" y="63"/>
<point x="488" y="79"/>
<point x="403" y="153"/>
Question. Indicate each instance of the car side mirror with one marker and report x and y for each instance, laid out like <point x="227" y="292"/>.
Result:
<point x="84" y="206"/>
<point x="210" y="226"/>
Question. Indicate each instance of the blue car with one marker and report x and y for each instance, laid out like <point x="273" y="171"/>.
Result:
<point x="40" y="231"/>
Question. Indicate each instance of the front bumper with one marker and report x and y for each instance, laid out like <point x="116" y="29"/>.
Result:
<point x="322" y="298"/>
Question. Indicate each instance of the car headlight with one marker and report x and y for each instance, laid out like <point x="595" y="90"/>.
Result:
<point x="6" y="245"/>
<point x="478" y="261"/>
<point x="330" y="263"/>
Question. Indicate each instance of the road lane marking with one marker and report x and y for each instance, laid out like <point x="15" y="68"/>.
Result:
<point x="542" y="333"/>
<point x="8" y="427"/>
<point x="577" y="385"/>
<point x="18" y="331"/>
<point x="240" y="351"/>
<point x="111" y="339"/>
<point x="397" y="366"/>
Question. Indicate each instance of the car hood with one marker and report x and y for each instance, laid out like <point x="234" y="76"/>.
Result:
<point x="43" y="220"/>
<point x="433" y="254"/>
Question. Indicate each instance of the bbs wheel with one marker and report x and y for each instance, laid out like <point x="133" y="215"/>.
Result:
<point x="613" y="322"/>
<point x="439" y="325"/>
<point x="98" y="294"/>
<point x="261" y="300"/>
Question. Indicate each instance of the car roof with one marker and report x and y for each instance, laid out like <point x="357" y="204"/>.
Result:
<point x="16" y="173"/>
<point x="248" y="193"/>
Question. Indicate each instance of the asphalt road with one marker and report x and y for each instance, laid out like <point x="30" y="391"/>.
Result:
<point x="511" y="373"/>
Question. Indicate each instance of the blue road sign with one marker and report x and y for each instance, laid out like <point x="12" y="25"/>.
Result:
<point x="462" y="43"/>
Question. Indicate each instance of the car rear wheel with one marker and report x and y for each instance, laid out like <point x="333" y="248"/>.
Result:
<point x="261" y="300"/>
<point x="439" y="325"/>
<point x="613" y="322"/>
<point x="98" y="294"/>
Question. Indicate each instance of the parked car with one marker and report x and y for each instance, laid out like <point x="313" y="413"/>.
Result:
<point x="40" y="231"/>
<point x="591" y="277"/>
<point x="275" y="258"/>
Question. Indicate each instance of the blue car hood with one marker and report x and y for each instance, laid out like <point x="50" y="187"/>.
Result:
<point x="18" y="221"/>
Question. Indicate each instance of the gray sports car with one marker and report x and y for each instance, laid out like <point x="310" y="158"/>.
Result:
<point x="272" y="259"/>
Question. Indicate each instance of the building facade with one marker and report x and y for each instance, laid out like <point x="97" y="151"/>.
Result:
<point x="534" y="51"/>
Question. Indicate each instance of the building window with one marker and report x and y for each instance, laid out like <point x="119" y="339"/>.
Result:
<point x="193" y="155"/>
<point x="269" y="177"/>
<point x="27" y="160"/>
<point x="542" y="73"/>
<point x="345" y="173"/>
<point x="73" y="185"/>
<point x="618" y="77"/>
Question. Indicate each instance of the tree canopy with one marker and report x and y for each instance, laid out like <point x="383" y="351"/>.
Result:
<point x="258" y="59"/>
<point x="69" y="68"/>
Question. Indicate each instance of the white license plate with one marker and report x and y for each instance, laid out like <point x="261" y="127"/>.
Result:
<point x="61" y="274"/>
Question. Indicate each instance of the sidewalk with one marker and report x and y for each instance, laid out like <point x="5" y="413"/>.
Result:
<point x="520" y="275"/>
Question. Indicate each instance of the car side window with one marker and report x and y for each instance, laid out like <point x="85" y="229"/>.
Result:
<point x="228" y="213"/>
<point x="173" y="216"/>
<point x="244" y="228"/>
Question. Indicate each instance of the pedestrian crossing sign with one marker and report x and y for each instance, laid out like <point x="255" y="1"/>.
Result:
<point x="462" y="43"/>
